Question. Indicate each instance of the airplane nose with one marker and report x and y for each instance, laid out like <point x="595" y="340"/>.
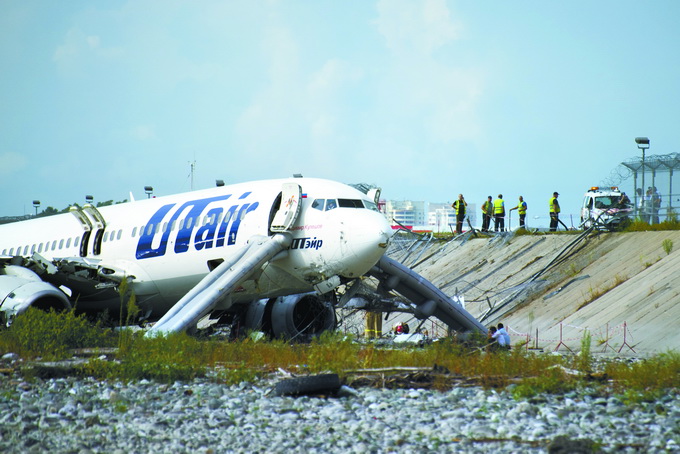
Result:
<point x="366" y="238"/>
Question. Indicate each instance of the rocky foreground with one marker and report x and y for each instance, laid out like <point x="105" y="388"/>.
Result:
<point x="70" y="415"/>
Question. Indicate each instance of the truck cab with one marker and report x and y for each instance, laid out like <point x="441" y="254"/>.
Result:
<point x="605" y="208"/>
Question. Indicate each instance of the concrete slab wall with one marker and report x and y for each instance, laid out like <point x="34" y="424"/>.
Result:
<point x="603" y="282"/>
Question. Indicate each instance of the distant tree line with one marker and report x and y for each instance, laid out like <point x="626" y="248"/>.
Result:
<point x="51" y="211"/>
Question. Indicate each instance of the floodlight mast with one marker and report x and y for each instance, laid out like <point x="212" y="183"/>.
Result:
<point x="642" y="144"/>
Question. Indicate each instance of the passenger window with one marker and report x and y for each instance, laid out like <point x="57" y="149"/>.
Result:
<point x="76" y="242"/>
<point x="68" y="243"/>
<point x="40" y="246"/>
<point x="54" y="245"/>
<point x="33" y="249"/>
<point x="105" y="237"/>
<point x="26" y="250"/>
<point x="61" y="243"/>
<point x="120" y="234"/>
<point x="11" y="251"/>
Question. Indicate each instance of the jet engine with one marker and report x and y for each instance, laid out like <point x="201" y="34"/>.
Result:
<point x="21" y="288"/>
<point x="295" y="317"/>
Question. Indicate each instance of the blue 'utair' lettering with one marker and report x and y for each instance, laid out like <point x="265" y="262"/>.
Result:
<point x="204" y="236"/>
<point x="144" y="249"/>
<point x="192" y="219"/>
<point x="245" y="209"/>
<point x="306" y="243"/>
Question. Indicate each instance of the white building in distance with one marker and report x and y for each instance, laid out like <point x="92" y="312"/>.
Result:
<point x="429" y="216"/>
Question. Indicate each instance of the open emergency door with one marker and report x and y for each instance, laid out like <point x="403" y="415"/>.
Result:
<point x="86" y="225"/>
<point x="291" y="195"/>
<point x="98" y="225"/>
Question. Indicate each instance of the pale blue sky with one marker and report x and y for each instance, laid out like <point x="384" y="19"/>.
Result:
<point x="426" y="99"/>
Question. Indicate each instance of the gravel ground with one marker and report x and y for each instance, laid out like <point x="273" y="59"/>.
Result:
<point x="69" y="415"/>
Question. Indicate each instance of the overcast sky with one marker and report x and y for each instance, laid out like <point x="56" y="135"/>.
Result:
<point x="426" y="99"/>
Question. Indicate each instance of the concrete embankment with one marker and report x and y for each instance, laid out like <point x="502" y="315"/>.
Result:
<point x="624" y="288"/>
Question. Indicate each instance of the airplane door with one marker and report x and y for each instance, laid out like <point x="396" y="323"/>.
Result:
<point x="291" y="196"/>
<point x="87" y="228"/>
<point x="99" y="224"/>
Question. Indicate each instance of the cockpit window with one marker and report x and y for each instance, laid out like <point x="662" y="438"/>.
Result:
<point x="318" y="204"/>
<point x="324" y="204"/>
<point x="331" y="204"/>
<point x="350" y="203"/>
<point x="371" y="206"/>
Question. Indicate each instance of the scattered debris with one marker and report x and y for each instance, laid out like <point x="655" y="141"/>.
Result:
<point x="312" y="385"/>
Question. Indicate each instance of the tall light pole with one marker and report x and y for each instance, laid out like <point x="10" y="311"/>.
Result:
<point x="149" y="191"/>
<point x="642" y="144"/>
<point x="36" y="205"/>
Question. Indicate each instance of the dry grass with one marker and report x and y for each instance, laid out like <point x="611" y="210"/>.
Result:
<point x="181" y="357"/>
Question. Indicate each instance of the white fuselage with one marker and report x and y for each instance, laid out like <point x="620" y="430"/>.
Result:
<point x="165" y="245"/>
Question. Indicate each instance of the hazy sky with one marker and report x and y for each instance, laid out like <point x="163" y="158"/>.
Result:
<point x="425" y="99"/>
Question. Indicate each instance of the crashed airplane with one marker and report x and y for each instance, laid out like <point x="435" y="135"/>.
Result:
<point x="276" y="256"/>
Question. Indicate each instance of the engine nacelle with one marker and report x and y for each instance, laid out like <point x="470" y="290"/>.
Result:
<point x="295" y="317"/>
<point x="21" y="288"/>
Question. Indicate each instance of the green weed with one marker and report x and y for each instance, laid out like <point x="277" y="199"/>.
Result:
<point x="584" y="361"/>
<point x="656" y="373"/>
<point x="165" y="359"/>
<point x="50" y="335"/>
<point x="667" y="245"/>
<point x="641" y="226"/>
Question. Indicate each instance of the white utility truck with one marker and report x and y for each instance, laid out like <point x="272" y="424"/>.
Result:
<point x="605" y="208"/>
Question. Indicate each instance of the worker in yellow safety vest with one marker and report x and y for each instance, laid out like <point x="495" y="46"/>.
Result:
<point x="499" y="214"/>
<point x="459" y="205"/>
<point x="487" y="213"/>
<point x="373" y="325"/>
<point x="522" y="210"/>
<point x="554" y="212"/>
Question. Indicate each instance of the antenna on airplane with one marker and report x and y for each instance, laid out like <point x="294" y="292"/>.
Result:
<point x="192" y="164"/>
